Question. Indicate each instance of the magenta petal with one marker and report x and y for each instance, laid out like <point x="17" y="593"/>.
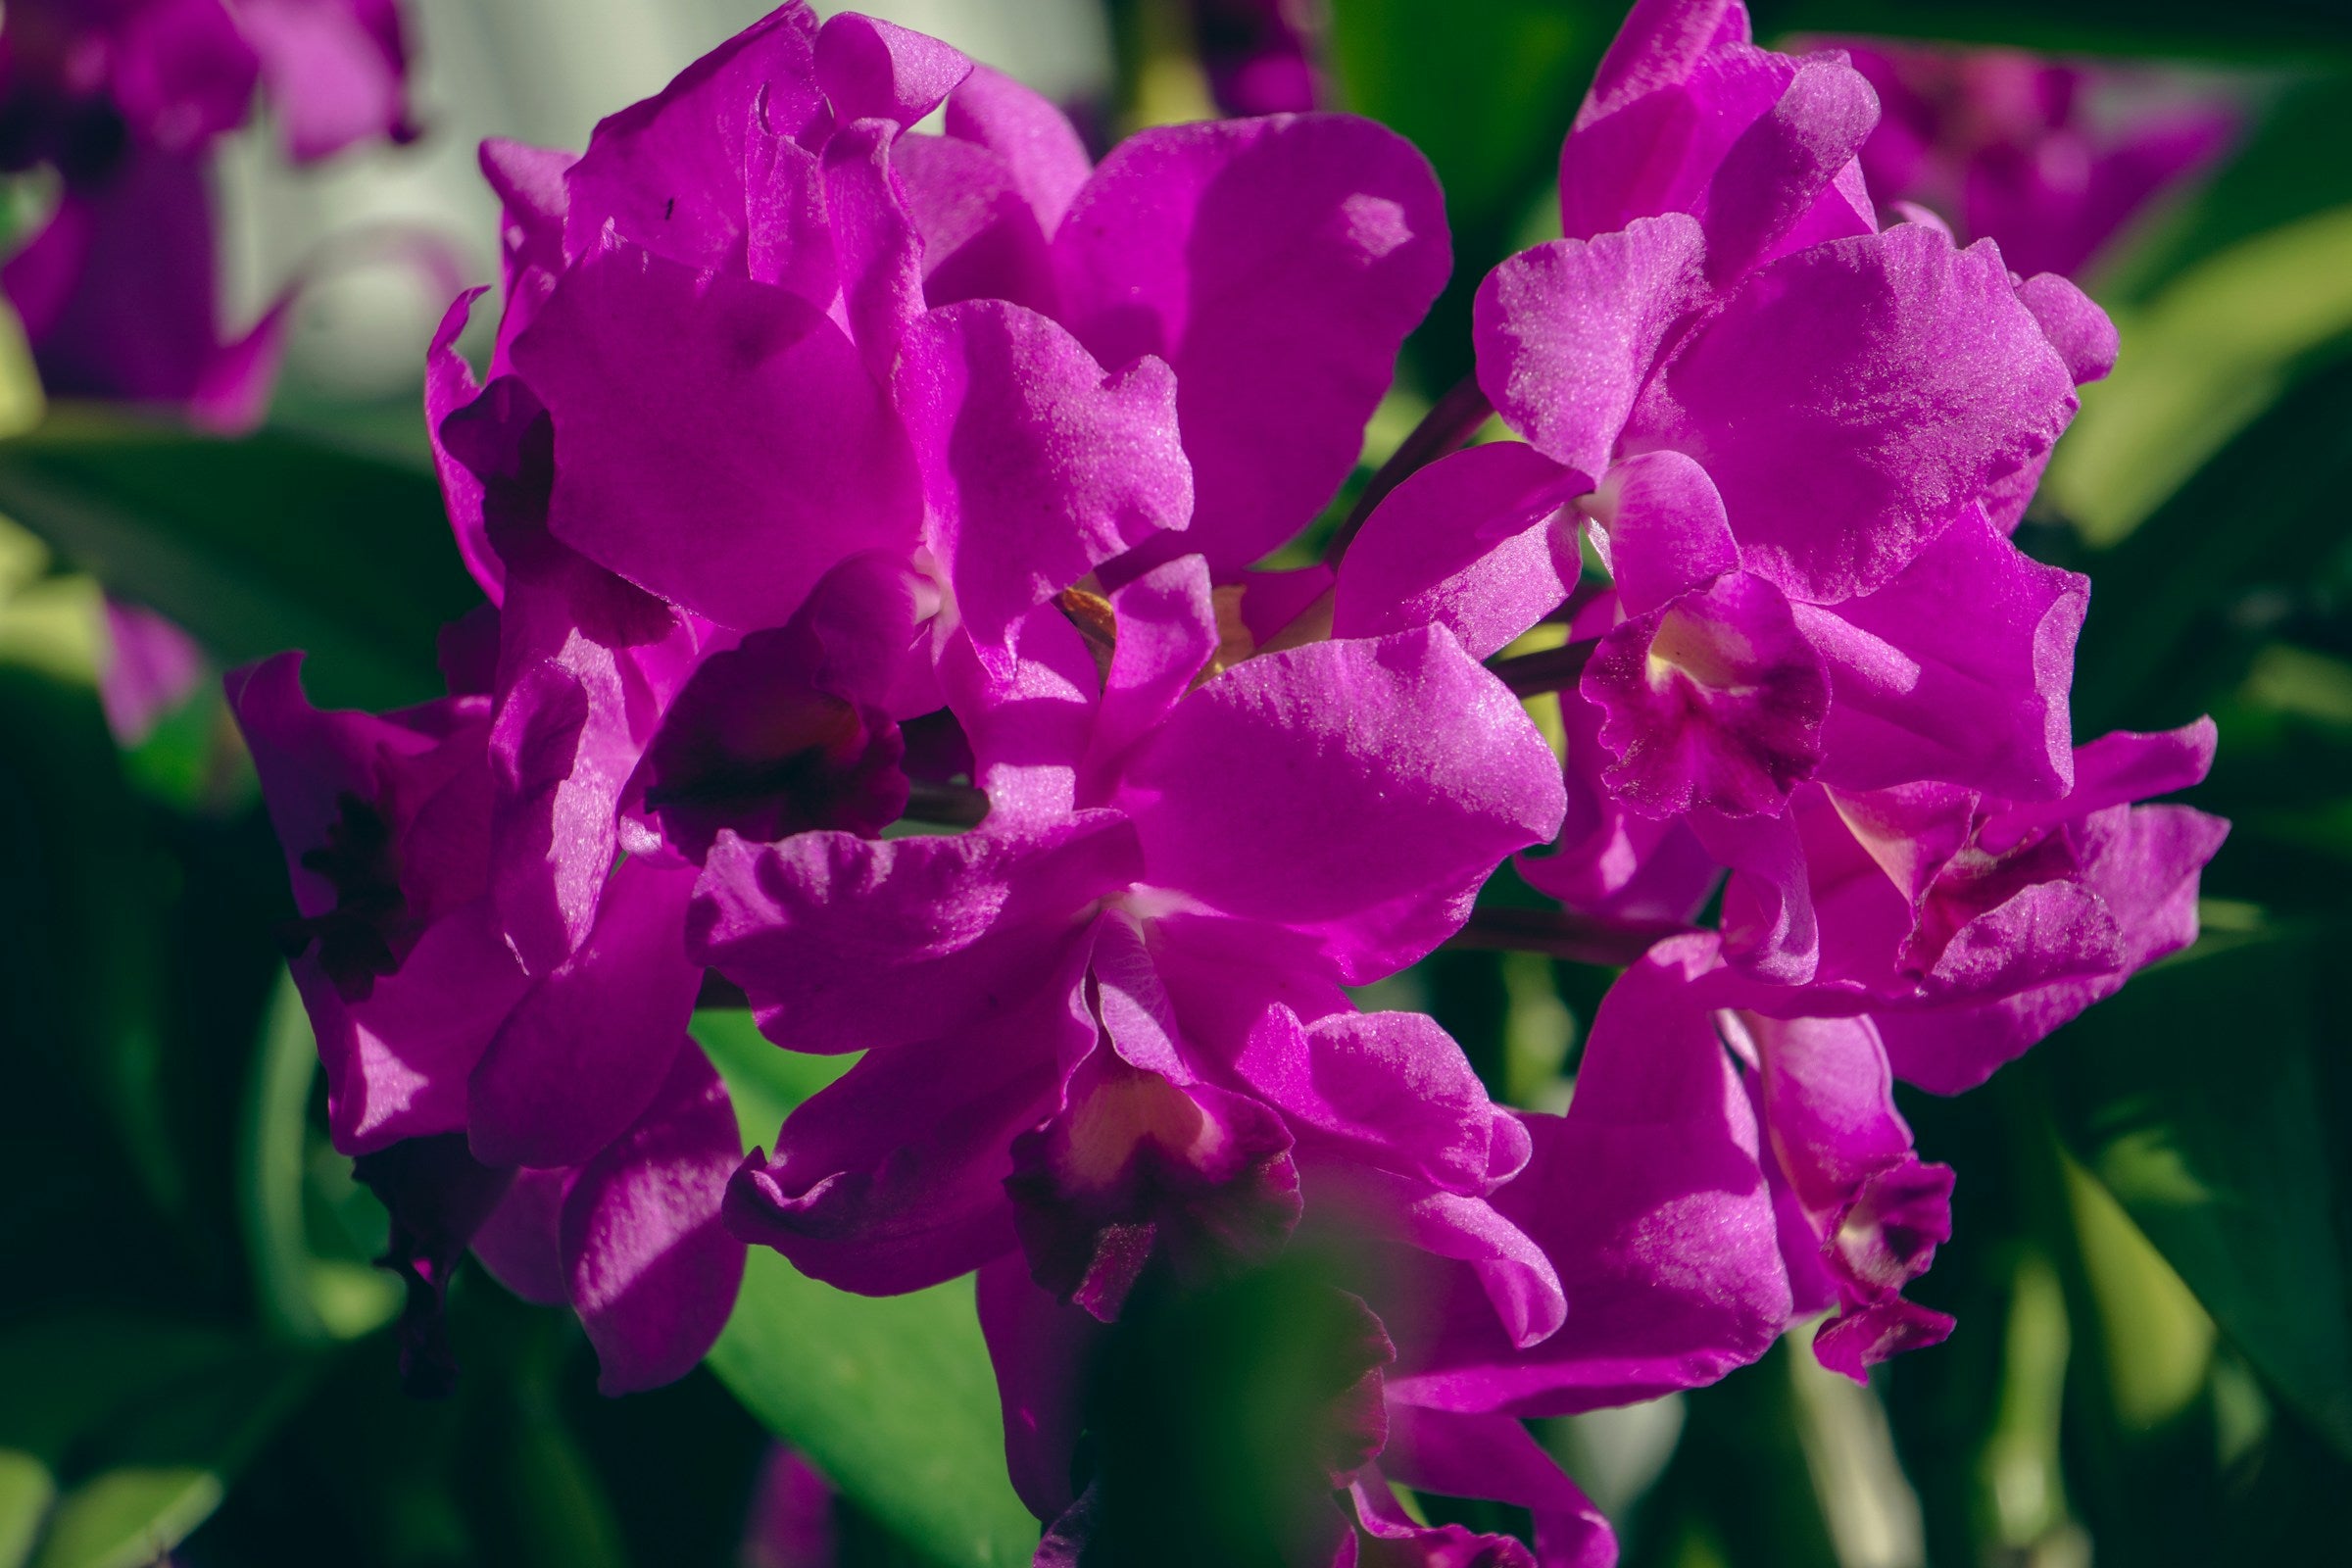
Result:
<point x="876" y="250"/>
<point x="1167" y="634"/>
<point x="980" y="236"/>
<point x="1040" y="1348"/>
<point x="117" y="291"/>
<point x="844" y="943"/>
<point x="892" y="1177"/>
<point x="877" y="70"/>
<point x="1649" y="1199"/>
<point x="1569" y="332"/>
<point x="152" y="666"/>
<point x="1037" y="142"/>
<point x="720" y="443"/>
<point x="2117" y="768"/>
<point x="667" y="173"/>
<point x="1612" y="861"/>
<point x="1659" y="43"/>
<point x="653" y="1272"/>
<point x="1852" y="1343"/>
<point x="1829" y="1106"/>
<point x="1392" y="1089"/>
<point x="1676" y="89"/>
<point x="533" y="200"/>
<point x="581" y="1056"/>
<point x="1030" y="728"/>
<point x="1037" y="466"/>
<point x="781" y="733"/>
<point x="1715" y="699"/>
<point x="334" y="70"/>
<point x="1404" y="740"/>
<point x="1906" y="380"/>
<point x="1769" y="926"/>
<point x="1472" y="543"/>
<point x="1478" y="1455"/>
<point x="450" y="385"/>
<point x="1667" y="532"/>
<point x="520" y="1244"/>
<point x="397" y="1062"/>
<point x="1771" y="176"/>
<point x="1277" y="265"/>
<point x="1956" y="671"/>
<point x="2082" y="334"/>
<point x="1517" y="1276"/>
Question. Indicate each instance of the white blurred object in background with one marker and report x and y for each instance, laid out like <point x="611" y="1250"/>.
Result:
<point x="541" y="71"/>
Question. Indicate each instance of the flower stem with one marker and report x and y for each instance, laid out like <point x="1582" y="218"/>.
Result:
<point x="1559" y="934"/>
<point x="1447" y="425"/>
<point x="1551" y="670"/>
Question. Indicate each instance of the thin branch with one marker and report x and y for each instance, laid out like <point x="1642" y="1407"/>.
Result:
<point x="1558" y="934"/>
<point x="1453" y="419"/>
<point x="944" y="805"/>
<point x="720" y="992"/>
<point x="1552" y="669"/>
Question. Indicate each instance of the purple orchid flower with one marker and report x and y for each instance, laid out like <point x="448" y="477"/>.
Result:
<point x="716" y="604"/>
<point x="525" y="1116"/>
<point x="2008" y="146"/>
<point x="1659" y="1197"/>
<point x="1795" y="443"/>
<point x="1970" y="925"/>
<point x="1106" y="1026"/>
<point x="125" y="99"/>
<point x="1259" y="53"/>
<point x="902" y="373"/>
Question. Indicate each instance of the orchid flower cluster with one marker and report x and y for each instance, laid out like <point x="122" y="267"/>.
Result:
<point x="123" y="100"/>
<point x="869" y="521"/>
<point x="2051" y="159"/>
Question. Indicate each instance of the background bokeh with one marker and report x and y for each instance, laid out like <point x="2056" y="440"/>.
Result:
<point x="2152" y="1264"/>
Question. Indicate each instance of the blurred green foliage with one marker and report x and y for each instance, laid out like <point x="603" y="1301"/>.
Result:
<point x="2152" y="1262"/>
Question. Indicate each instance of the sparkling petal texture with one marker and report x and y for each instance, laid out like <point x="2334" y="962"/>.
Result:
<point x="873" y="526"/>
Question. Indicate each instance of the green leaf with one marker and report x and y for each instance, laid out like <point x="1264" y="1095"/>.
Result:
<point x="145" y="1420"/>
<point x="269" y="542"/>
<point x="79" y="881"/>
<point x="2161" y="642"/>
<point x="892" y="1397"/>
<point x="27" y="1490"/>
<point x="2193" y="1096"/>
<point x="302" y="1297"/>
<point x="123" y="1518"/>
<point x="2288" y="166"/>
<point x="2199" y="362"/>
<point x="1485" y="90"/>
<point x="2248" y="30"/>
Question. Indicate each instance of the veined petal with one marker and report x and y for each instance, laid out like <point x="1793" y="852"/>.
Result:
<point x="1570" y="332"/>
<point x="1276" y="265"/>
<point x="1905" y="380"/>
<point x="651" y="1269"/>
<point x="1404" y="741"/>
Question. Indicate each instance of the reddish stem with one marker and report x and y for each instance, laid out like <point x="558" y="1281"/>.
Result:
<point x="1455" y="418"/>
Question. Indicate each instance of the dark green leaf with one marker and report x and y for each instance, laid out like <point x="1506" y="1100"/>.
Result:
<point x="2290" y="165"/>
<point x="78" y="911"/>
<point x="892" y="1397"/>
<point x="2193" y="1098"/>
<point x="2170" y="619"/>
<point x="148" y="1420"/>
<point x="1486" y="90"/>
<point x="271" y="542"/>
<point x="2252" y="30"/>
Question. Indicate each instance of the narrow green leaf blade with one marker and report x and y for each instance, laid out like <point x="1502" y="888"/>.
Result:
<point x="2192" y="1097"/>
<point x="892" y="1397"/>
<point x="264" y="543"/>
